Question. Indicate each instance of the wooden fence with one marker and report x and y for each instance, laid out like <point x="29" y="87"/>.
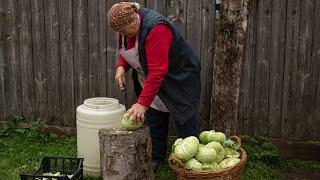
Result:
<point x="56" y="53"/>
<point x="280" y="89"/>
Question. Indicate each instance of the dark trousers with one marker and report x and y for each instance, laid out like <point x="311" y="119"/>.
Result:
<point x="158" y="123"/>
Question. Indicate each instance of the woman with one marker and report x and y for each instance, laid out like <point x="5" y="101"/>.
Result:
<point x="166" y="73"/>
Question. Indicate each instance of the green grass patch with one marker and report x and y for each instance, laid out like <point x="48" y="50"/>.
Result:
<point x="21" y="150"/>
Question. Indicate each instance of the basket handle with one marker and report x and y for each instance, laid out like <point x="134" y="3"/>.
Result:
<point x="236" y="139"/>
<point x="175" y="162"/>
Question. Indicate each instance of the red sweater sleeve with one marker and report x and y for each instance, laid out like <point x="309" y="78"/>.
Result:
<point x="158" y="43"/>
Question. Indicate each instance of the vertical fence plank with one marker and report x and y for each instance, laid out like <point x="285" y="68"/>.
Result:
<point x="66" y="49"/>
<point x="290" y="69"/>
<point x="276" y="67"/>
<point x="313" y="120"/>
<point x="12" y="68"/>
<point x="39" y="58"/>
<point x="26" y="60"/>
<point x="206" y="22"/>
<point x="157" y="5"/>
<point x="102" y="48"/>
<point x="93" y="27"/>
<point x="262" y="71"/>
<point x="80" y="53"/>
<point x="177" y="14"/>
<point x="303" y="68"/>
<point x="247" y="76"/>
<point x="112" y="56"/>
<point x="2" y="41"/>
<point x="53" y="61"/>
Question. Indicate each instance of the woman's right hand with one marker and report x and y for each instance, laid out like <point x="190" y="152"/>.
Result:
<point x="121" y="77"/>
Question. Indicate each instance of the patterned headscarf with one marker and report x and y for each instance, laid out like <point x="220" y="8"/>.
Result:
<point x="122" y="14"/>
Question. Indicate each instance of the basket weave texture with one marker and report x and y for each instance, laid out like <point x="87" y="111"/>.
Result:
<point x="235" y="172"/>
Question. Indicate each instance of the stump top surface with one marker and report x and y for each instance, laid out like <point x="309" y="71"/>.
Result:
<point x="121" y="131"/>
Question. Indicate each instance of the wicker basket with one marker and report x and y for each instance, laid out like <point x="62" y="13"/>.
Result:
<point x="234" y="172"/>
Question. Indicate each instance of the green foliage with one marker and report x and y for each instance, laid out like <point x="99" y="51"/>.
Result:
<point x="22" y="148"/>
<point x="258" y="149"/>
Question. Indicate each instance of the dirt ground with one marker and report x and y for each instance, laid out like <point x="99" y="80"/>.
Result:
<point x="301" y="173"/>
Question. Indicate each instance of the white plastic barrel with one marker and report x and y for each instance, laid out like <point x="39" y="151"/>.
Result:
<point x="92" y="115"/>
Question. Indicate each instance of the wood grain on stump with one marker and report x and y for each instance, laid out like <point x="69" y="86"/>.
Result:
<point x="125" y="154"/>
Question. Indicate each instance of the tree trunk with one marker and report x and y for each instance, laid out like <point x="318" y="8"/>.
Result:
<point x="228" y="58"/>
<point x="126" y="154"/>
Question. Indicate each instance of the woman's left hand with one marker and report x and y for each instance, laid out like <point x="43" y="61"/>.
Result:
<point x="137" y="112"/>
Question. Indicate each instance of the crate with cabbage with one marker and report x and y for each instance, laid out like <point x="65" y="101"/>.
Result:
<point x="214" y="151"/>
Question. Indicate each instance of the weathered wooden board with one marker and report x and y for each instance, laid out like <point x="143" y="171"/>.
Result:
<point x="80" y="53"/>
<point x="67" y="61"/>
<point x="247" y="74"/>
<point x="25" y="41"/>
<point x="93" y="36"/>
<point x="53" y="61"/>
<point x="157" y="5"/>
<point x="262" y="73"/>
<point x="39" y="58"/>
<point x="313" y="118"/>
<point x="177" y="14"/>
<point x="206" y="39"/>
<point x="102" y="78"/>
<point x="303" y="68"/>
<point x="278" y="39"/>
<point x="290" y="69"/>
<point x="12" y="63"/>
<point x="2" y="40"/>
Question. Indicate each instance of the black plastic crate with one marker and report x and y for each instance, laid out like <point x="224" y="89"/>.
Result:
<point x="64" y="165"/>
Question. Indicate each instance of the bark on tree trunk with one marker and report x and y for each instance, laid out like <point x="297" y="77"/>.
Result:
<point x="126" y="154"/>
<point x="228" y="58"/>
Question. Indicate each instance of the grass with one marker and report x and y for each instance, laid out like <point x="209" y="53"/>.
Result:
<point x="22" y="149"/>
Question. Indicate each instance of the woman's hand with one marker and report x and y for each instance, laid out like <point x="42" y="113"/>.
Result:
<point x="137" y="112"/>
<point x="121" y="77"/>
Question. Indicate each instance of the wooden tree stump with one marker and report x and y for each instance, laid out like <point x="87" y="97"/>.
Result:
<point x="125" y="155"/>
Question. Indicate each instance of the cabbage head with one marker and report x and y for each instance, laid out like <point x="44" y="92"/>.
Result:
<point x="176" y="142"/>
<point x="219" y="150"/>
<point x="229" y="162"/>
<point x="187" y="149"/>
<point x="205" y="154"/>
<point x="202" y="145"/>
<point x="209" y="136"/>
<point x="129" y="124"/>
<point x="231" y="153"/>
<point x="219" y="137"/>
<point x="230" y="144"/>
<point x="193" y="164"/>
<point x="205" y="136"/>
<point x="209" y="166"/>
